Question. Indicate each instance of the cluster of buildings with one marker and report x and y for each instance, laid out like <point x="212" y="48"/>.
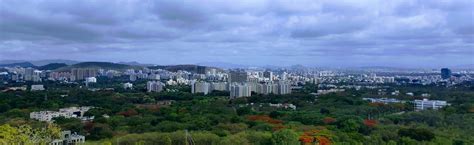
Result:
<point x="240" y="83"/>
<point x="71" y="112"/>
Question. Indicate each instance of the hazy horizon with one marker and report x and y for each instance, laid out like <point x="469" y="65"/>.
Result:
<point x="408" y="34"/>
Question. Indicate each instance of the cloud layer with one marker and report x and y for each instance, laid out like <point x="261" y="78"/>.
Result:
<point x="260" y="32"/>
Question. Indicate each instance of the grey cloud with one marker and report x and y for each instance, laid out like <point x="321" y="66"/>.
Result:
<point x="250" y="30"/>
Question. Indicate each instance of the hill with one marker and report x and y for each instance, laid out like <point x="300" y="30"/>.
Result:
<point x="100" y="65"/>
<point x="52" y="66"/>
<point x="186" y="67"/>
<point x="19" y="64"/>
<point x="40" y="62"/>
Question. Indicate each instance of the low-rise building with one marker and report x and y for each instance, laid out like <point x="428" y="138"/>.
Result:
<point x="429" y="104"/>
<point x="69" y="138"/>
<point x="383" y="100"/>
<point x="71" y="112"/>
<point x="37" y="88"/>
<point x="128" y="86"/>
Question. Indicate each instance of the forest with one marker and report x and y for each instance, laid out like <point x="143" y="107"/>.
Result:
<point x="136" y="117"/>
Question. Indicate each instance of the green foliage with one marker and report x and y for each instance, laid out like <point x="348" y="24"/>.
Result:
<point x="214" y="119"/>
<point x="419" y="134"/>
<point x="285" y="137"/>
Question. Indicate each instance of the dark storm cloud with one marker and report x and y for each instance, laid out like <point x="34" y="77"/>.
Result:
<point x="258" y="31"/>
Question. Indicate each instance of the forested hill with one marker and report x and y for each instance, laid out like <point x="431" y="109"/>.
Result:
<point x="102" y="65"/>
<point x="186" y="67"/>
<point x="52" y="66"/>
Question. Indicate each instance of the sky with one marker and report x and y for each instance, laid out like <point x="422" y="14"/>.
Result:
<point x="346" y="33"/>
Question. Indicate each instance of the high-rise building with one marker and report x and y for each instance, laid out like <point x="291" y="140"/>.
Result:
<point x="239" y="90"/>
<point x="29" y="72"/>
<point x="445" y="73"/>
<point x="82" y="73"/>
<point x="268" y="74"/>
<point x="219" y="86"/>
<point x="154" y="86"/>
<point x="200" y="87"/>
<point x="284" y="76"/>
<point x="280" y="88"/>
<point x="284" y="88"/>
<point x="266" y="88"/>
<point x="238" y="76"/>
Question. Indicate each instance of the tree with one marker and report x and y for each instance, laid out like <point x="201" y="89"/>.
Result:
<point x="26" y="135"/>
<point x="419" y="134"/>
<point x="100" y="131"/>
<point x="285" y="137"/>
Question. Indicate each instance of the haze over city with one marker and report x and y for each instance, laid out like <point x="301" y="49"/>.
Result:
<point x="247" y="32"/>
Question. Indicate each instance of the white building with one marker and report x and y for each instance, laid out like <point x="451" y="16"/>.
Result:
<point x="37" y="87"/>
<point x="154" y="86"/>
<point x="71" y="112"/>
<point x="429" y="104"/>
<point x="284" y="88"/>
<point x="69" y="138"/>
<point x="240" y="90"/>
<point x="382" y="100"/>
<point x="128" y="86"/>
<point x="266" y="88"/>
<point x="219" y="86"/>
<point x="91" y="80"/>
<point x="200" y="87"/>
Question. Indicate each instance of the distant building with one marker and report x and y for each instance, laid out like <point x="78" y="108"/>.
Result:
<point x="91" y="80"/>
<point x="155" y="86"/>
<point x="37" y="88"/>
<point x="429" y="104"/>
<point x="154" y="77"/>
<point x="71" y="112"/>
<point x="323" y="92"/>
<point x="219" y="86"/>
<point x="68" y="138"/>
<point x="133" y="77"/>
<point x="286" y="106"/>
<point x="28" y="76"/>
<point x="78" y="74"/>
<point x="279" y="88"/>
<point x="238" y="76"/>
<point x="239" y="90"/>
<point x="200" y="87"/>
<point x="268" y="74"/>
<point x="266" y="88"/>
<point x="128" y="86"/>
<point x="445" y="73"/>
<point x="382" y="100"/>
<point x="284" y="88"/>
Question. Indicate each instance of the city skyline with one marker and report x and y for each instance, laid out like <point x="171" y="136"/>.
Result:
<point x="431" y="34"/>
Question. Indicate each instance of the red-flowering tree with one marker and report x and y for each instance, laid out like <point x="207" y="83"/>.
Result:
<point x="370" y="123"/>
<point x="329" y="120"/>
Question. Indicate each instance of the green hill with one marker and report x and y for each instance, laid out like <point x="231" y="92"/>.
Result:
<point x="52" y="66"/>
<point x="186" y="67"/>
<point x="100" y="65"/>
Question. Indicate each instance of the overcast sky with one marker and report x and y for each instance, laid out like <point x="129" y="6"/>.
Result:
<point x="424" y="33"/>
